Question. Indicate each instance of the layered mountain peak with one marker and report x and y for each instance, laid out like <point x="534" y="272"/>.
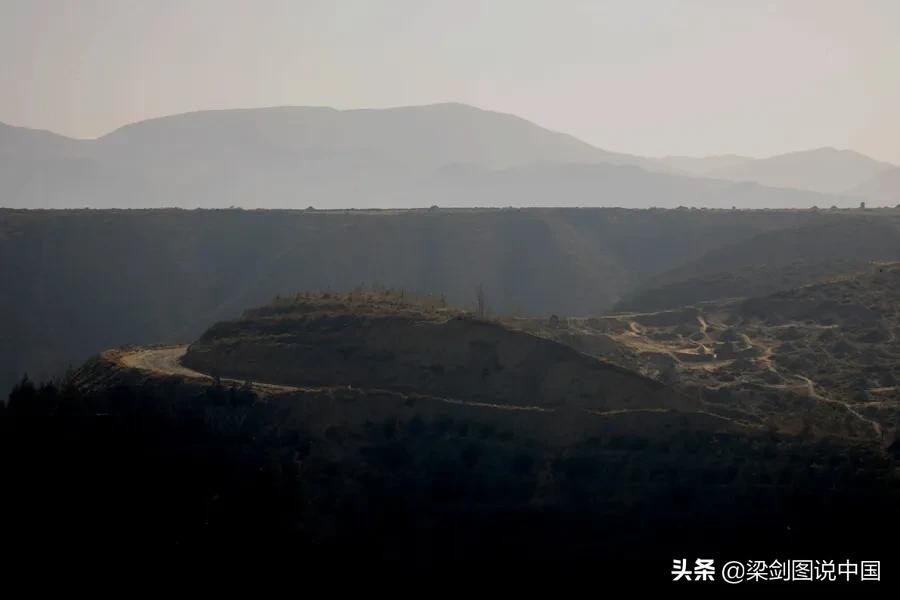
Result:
<point x="825" y="170"/>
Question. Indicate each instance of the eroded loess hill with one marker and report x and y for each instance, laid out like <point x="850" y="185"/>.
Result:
<point x="386" y="341"/>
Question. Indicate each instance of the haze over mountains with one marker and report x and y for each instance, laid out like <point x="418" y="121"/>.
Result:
<point x="703" y="165"/>
<point x="446" y="154"/>
<point x="883" y="188"/>
<point x="825" y="170"/>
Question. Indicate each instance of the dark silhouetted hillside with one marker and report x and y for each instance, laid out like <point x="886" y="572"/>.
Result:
<point x="773" y="261"/>
<point x="77" y="282"/>
<point x="375" y="341"/>
<point x="132" y="464"/>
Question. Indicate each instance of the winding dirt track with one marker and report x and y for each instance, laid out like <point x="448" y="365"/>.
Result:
<point x="811" y="390"/>
<point x="166" y="360"/>
<point x="635" y="339"/>
<point x="809" y="384"/>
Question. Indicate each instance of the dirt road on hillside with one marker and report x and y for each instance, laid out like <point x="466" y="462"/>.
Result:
<point x="166" y="360"/>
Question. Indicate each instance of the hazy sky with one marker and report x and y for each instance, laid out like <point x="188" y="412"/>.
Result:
<point x="646" y="77"/>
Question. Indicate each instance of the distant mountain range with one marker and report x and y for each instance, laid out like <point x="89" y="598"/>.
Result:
<point x="446" y="154"/>
<point x="703" y="165"/>
<point x="824" y="170"/>
<point x="884" y="188"/>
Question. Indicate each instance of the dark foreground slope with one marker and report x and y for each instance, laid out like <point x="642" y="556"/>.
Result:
<point x="76" y="282"/>
<point x="145" y="461"/>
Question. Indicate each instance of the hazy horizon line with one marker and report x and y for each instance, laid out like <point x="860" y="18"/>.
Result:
<point x="665" y="156"/>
